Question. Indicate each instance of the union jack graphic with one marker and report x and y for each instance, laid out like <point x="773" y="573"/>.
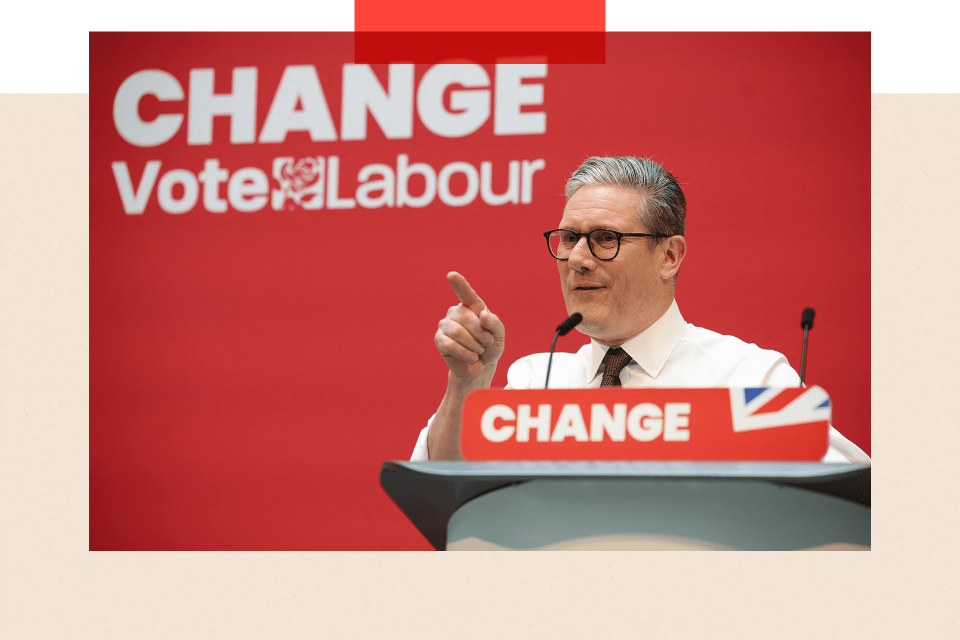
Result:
<point x="768" y="407"/>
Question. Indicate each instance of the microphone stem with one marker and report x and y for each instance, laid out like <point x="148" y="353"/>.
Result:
<point x="553" y="344"/>
<point x="803" y="357"/>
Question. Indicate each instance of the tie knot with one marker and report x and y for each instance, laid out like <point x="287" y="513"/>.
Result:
<point x="613" y="363"/>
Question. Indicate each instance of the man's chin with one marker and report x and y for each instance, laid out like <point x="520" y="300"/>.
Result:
<point x="589" y="326"/>
<point x="598" y="330"/>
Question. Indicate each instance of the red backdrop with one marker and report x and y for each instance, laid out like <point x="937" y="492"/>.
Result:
<point x="251" y="370"/>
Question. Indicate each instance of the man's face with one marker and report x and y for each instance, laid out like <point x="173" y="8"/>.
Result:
<point x="618" y="298"/>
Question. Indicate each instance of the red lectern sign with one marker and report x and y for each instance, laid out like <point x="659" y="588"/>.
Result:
<point x="769" y="424"/>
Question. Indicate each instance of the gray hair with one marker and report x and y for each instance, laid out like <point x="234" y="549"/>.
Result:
<point x="663" y="208"/>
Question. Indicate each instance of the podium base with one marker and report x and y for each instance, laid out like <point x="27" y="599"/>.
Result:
<point x="657" y="514"/>
<point x="634" y="505"/>
<point x="626" y="543"/>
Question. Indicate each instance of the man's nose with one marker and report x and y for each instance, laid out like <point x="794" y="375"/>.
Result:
<point x="580" y="257"/>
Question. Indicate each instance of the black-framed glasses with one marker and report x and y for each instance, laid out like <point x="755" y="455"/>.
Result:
<point x="604" y="243"/>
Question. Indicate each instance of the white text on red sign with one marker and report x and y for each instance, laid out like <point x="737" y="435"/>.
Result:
<point x="643" y="422"/>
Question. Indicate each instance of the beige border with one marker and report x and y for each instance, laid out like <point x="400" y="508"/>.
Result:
<point x="53" y="588"/>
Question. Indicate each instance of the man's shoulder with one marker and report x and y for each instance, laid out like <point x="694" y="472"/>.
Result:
<point x="721" y="345"/>
<point x="729" y="361"/>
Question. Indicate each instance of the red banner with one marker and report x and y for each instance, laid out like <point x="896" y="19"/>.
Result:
<point x="646" y="424"/>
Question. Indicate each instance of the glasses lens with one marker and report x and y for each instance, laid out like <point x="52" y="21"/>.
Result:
<point x="605" y="243"/>
<point x="562" y="243"/>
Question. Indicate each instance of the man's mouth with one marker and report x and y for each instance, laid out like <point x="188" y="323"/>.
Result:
<point x="586" y="287"/>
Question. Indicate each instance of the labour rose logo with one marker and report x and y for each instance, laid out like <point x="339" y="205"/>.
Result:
<point x="300" y="181"/>
<point x="302" y="174"/>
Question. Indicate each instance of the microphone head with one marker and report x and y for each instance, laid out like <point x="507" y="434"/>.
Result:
<point x="569" y="324"/>
<point x="806" y="320"/>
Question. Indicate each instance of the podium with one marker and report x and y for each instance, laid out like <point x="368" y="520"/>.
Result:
<point x="642" y="505"/>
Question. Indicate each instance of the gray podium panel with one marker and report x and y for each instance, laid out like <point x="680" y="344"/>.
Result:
<point x="634" y="505"/>
<point x="657" y="513"/>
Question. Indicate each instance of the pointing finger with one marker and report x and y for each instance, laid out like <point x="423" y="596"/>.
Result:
<point x="465" y="292"/>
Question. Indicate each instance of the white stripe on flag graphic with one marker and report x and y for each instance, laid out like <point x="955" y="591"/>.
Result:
<point x="805" y="408"/>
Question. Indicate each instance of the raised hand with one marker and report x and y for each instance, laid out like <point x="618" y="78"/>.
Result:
<point x="470" y="338"/>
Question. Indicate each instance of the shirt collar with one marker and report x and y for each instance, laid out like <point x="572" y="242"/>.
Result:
<point x="651" y="348"/>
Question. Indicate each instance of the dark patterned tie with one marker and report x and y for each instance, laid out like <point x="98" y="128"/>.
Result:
<point x="614" y="362"/>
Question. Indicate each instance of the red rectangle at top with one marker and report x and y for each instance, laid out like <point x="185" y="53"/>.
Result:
<point x="501" y="47"/>
<point x="488" y="16"/>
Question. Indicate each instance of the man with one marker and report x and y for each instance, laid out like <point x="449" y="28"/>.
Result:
<point x="618" y="247"/>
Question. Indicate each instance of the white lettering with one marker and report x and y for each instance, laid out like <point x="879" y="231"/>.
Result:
<point x="529" y="168"/>
<point x="513" y="94"/>
<point x="334" y="201"/>
<point x="241" y="106"/>
<point x="384" y="185"/>
<point x="211" y="177"/>
<point x="452" y="100"/>
<point x="470" y="108"/>
<point x="134" y="202"/>
<point x="488" y="426"/>
<point x="126" y="115"/>
<point x="512" y="193"/>
<point x="165" y="191"/>
<point x="362" y="91"/>
<point x="303" y="183"/>
<point x="404" y="171"/>
<point x="299" y="84"/>
<point x="570" y="423"/>
<point x="540" y="422"/>
<point x="676" y="417"/>
<point x="644" y="422"/>
<point x="615" y="425"/>
<point x="473" y="184"/>
<point x="248" y="189"/>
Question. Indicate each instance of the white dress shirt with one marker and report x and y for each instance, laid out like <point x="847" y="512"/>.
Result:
<point x="670" y="353"/>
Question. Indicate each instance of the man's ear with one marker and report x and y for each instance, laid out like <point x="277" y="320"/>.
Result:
<point x="674" y="249"/>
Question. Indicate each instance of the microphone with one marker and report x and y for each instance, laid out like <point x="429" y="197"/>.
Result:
<point x="806" y="323"/>
<point x="562" y="330"/>
<point x="569" y="324"/>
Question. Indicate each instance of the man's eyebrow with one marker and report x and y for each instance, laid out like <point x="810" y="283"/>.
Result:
<point x="600" y="228"/>
<point x="591" y="230"/>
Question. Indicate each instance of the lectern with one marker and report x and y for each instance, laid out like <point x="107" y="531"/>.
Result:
<point x="634" y="505"/>
<point x="708" y="468"/>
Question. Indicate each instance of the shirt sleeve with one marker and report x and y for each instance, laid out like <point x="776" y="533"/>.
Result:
<point x="842" y="450"/>
<point x="420" y="452"/>
<point x="780" y="374"/>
